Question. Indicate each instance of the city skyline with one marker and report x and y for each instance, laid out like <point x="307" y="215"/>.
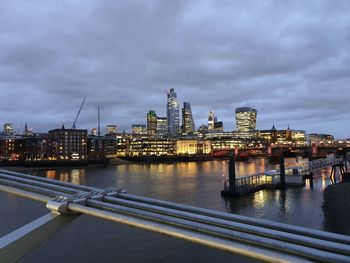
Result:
<point x="292" y="67"/>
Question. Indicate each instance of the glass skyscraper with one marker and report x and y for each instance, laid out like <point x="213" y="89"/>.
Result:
<point x="187" y="119"/>
<point x="173" y="114"/>
<point x="245" y="119"/>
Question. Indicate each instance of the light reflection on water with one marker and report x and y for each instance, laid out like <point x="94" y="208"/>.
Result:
<point x="200" y="183"/>
<point x="193" y="183"/>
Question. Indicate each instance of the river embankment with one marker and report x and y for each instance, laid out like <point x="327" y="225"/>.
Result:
<point x="336" y="208"/>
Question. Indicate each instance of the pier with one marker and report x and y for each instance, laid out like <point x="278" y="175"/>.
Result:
<point x="292" y="176"/>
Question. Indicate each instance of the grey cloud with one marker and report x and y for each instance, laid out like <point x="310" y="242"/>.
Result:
<point x="289" y="59"/>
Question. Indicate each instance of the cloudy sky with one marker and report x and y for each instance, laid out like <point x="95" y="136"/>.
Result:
<point x="288" y="59"/>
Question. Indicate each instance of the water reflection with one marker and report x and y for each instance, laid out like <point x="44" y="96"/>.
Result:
<point x="66" y="175"/>
<point x="200" y="183"/>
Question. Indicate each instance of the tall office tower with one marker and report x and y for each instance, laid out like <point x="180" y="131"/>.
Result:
<point x="162" y="126"/>
<point x="151" y="123"/>
<point x="8" y="128"/>
<point x="245" y="119"/>
<point x="112" y="128"/>
<point x="139" y="129"/>
<point x="173" y="114"/>
<point x="187" y="119"/>
<point x="211" y="120"/>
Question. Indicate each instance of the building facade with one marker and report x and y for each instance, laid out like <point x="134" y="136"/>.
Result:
<point x="151" y="123"/>
<point x="245" y="119"/>
<point x="139" y="129"/>
<point x="67" y="144"/>
<point x="162" y="126"/>
<point x="187" y="119"/>
<point x="173" y="115"/>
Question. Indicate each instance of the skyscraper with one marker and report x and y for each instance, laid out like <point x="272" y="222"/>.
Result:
<point x="162" y="126"/>
<point x="211" y="120"/>
<point x="151" y="123"/>
<point x="245" y="119"/>
<point x="173" y="114"/>
<point x="187" y="119"/>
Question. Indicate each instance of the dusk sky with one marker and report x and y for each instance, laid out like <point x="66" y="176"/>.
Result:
<point x="288" y="59"/>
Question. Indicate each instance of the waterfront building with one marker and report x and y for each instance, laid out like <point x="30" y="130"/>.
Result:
<point x="67" y="144"/>
<point x="151" y="146"/>
<point x="112" y="128"/>
<point x="162" y="126"/>
<point x="35" y="147"/>
<point x="187" y="119"/>
<point x="211" y="120"/>
<point x="192" y="147"/>
<point x="321" y="139"/>
<point x="139" y="129"/>
<point x="245" y="119"/>
<point x="173" y="114"/>
<point x="151" y="123"/>
<point x="299" y="138"/>
<point x="280" y="138"/>
<point x="11" y="148"/>
<point x="8" y="128"/>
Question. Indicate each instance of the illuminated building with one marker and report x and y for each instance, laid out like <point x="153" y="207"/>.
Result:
<point x="151" y="123"/>
<point x="173" y="114"/>
<point x="282" y="138"/>
<point x="245" y="119"/>
<point x="8" y="128"/>
<point x="162" y="126"/>
<point x="151" y="147"/>
<point x="192" y="147"/>
<point x="211" y="120"/>
<point x="299" y="138"/>
<point x="187" y="119"/>
<point x="139" y="129"/>
<point x="321" y="139"/>
<point x="11" y="148"/>
<point x="112" y="128"/>
<point x="68" y="144"/>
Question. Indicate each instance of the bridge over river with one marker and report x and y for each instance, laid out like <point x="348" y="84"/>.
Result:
<point x="256" y="238"/>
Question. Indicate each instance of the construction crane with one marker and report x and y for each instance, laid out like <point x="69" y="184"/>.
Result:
<point x="76" y="118"/>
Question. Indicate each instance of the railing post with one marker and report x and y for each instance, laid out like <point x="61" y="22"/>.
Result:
<point x="232" y="172"/>
<point x="282" y="172"/>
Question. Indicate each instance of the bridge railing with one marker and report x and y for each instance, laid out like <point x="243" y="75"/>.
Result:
<point x="263" y="240"/>
<point x="248" y="183"/>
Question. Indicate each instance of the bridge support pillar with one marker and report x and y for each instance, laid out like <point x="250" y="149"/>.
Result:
<point x="232" y="172"/>
<point x="282" y="173"/>
<point x="19" y="242"/>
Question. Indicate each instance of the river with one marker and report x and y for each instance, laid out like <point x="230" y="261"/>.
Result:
<point x="195" y="183"/>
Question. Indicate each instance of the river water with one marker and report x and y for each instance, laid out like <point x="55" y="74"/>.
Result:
<point x="89" y="239"/>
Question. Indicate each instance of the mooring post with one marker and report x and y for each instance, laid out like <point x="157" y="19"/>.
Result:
<point x="282" y="172"/>
<point x="232" y="172"/>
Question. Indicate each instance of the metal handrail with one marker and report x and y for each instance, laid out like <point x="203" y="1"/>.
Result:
<point x="256" y="238"/>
